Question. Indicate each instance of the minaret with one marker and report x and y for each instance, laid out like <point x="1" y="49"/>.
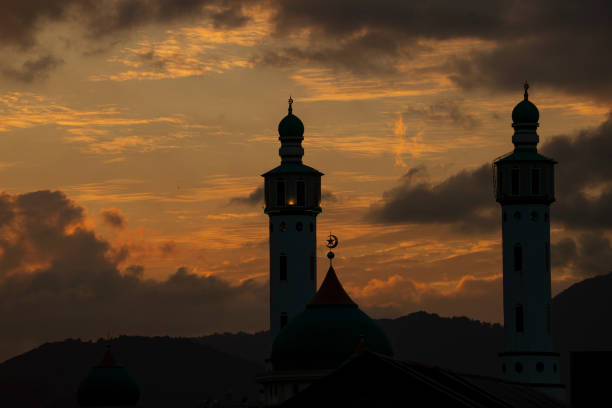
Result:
<point x="292" y="201"/>
<point x="525" y="190"/>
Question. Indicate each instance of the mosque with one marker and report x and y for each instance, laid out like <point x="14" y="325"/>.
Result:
<point x="328" y="353"/>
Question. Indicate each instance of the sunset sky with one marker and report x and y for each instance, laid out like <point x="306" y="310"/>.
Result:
<point x="133" y="134"/>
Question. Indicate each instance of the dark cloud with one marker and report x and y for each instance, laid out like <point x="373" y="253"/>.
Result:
<point x="564" y="252"/>
<point x="32" y="69"/>
<point x="58" y="280"/>
<point x="589" y="254"/>
<point x="583" y="70"/>
<point x="434" y="19"/>
<point x="20" y="21"/>
<point x="464" y="199"/>
<point x="255" y="197"/>
<point x="583" y="177"/>
<point x="33" y="229"/>
<point x="102" y="21"/>
<point x="444" y="111"/>
<point x="560" y="44"/>
<point x="366" y="53"/>
<point x="114" y="218"/>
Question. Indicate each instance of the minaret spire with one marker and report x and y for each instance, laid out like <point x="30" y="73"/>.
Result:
<point x="331" y="291"/>
<point x="290" y="103"/>
<point x="526" y="86"/>
<point x="332" y="242"/>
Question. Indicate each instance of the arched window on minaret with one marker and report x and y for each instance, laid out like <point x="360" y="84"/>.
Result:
<point x="518" y="257"/>
<point x="535" y="181"/>
<point x="515" y="181"/>
<point x="283" y="267"/>
<point x="300" y="193"/>
<point x="280" y="193"/>
<point x="520" y="322"/>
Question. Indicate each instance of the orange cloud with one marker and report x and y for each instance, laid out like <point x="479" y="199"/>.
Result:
<point x="106" y="130"/>
<point x="191" y="51"/>
<point x="402" y="295"/>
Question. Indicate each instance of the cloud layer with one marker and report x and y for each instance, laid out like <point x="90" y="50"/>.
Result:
<point x="464" y="199"/>
<point x="555" y="44"/>
<point x="21" y="21"/>
<point x="59" y="279"/>
<point x="558" y="44"/>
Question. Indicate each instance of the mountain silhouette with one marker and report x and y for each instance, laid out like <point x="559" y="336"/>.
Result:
<point x="582" y="315"/>
<point x="182" y="372"/>
<point x="171" y="372"/>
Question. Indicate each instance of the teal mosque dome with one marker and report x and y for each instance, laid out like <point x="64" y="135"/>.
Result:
<point x="329" y="331"/>
<point x="525" y="111"/>
<point x="108" y="385"/>
<point x="290" y="125"/>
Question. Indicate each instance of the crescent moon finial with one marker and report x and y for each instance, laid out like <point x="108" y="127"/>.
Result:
<point x="332" y="242"/>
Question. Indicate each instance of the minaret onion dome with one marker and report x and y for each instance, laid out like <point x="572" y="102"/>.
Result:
<point x="525" y="116"/>
<point x="291" y="134"/>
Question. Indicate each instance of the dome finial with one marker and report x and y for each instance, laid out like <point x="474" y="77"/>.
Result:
<point x="526" y="86"/>
<point x="290" y="103"/>
<point x="332" y="242"/>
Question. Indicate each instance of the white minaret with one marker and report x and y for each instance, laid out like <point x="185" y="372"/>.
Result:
<point x="293" y="201"/>
<point x="525" y="190"/>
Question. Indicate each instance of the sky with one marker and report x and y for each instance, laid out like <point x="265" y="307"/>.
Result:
<point x="133" y="134"/>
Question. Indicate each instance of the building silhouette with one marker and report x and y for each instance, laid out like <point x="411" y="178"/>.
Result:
<point x="331" y="354"/>
<point x="318" y="340"/>
<point x="328" y="353"/>
<point x="108" y="384"/>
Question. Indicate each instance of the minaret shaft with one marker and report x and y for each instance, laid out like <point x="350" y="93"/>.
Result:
<point x="528" y="284"/>
<point x="293" y="277"/>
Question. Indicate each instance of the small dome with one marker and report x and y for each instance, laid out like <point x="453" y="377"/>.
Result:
<point x="328" y="332"/>
<point x="108" y="385"/>
<point x="291" y="125"/>
<point x="525" y="112"/>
